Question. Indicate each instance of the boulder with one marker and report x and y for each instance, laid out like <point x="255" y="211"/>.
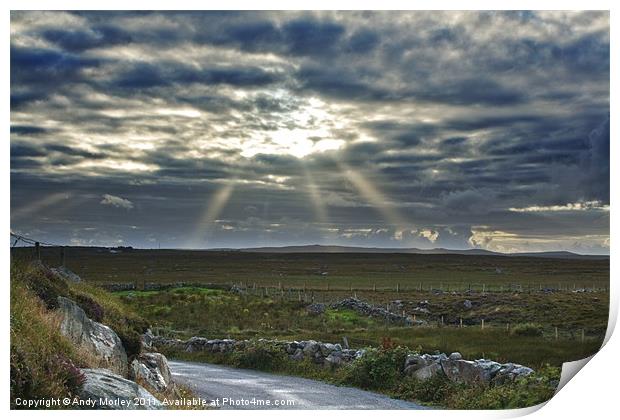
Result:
<point x="470" y="372"/>
<point x="335" y="359"/>
<point x="147" y="339"/>
<point x="511" y="371"/>
<point x="467" y="304"/>
<point x="109" y="391"/>
<point x="427" y="372"/>
<point x="311" y="347"/>
<point x="455" y="356"/>
<point x="423" y="366"/>
<point x="152" y="369"/>
<point x="298" y="355"/>
<point x="98" y="339"/>
<point x="66" y="274"/>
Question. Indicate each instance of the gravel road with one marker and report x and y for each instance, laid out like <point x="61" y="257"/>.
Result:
<point x="250" y="389"/>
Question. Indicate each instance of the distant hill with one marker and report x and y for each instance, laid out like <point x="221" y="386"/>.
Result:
<point x="434" y="251"/>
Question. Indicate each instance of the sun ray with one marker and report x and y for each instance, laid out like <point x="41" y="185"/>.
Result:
<point x="315" y="197"/>
<point x="39" y="205"/>
<point x="371" y="194"/>
<point x="213" y="209"/>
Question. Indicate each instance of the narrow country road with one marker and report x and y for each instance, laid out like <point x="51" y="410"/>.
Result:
<point x="237" y="388"/>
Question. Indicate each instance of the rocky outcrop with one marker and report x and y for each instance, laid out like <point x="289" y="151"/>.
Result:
<point x="152" y="369"/>
<point x="315" y="308"/>
<point x="481" y="371"/>
<point x="106" y="390"/>
<point x="364" y="308"/>
<point x="423" y="366"/>
<point x="66" y="274"/>
<point x="99" y="340"/>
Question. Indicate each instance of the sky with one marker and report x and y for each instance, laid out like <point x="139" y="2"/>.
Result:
<point x="379" y="129"/>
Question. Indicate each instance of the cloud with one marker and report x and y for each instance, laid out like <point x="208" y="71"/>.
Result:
<point x="453" y="127"/>
<point x="580" y="206"/>
<point x="114" y="201"/>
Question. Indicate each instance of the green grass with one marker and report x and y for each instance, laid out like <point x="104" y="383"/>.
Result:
<point x="44" y="364"/>
<point x="186" y="312"/>
<point x="361" y="271"/>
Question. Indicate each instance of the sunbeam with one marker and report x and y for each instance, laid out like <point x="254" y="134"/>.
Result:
<point x="373" y="196"/>
<point x="39" y="205"/>
<point x="320" y="209"/>
<point x="212" y="211"/>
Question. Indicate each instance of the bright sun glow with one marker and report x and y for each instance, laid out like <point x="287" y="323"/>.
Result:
<point x="290" y="139"/>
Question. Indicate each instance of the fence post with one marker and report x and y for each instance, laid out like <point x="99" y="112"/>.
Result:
<point x="37" y="250"/>
<point x="397" y="287"/>
<point x="482" y="324"/>
<point x="583" y="335"/>
<point x="62" y="256"/>
<point x="461" y="322"/>
<point x="374" y="287"/>
<point x="556" y="333"/>
<point x="345" y="342"/>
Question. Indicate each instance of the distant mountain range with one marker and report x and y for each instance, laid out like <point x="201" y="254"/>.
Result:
<point x="434" y="251"/>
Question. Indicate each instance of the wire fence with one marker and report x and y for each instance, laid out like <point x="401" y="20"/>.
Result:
<point x="20" y="241"/>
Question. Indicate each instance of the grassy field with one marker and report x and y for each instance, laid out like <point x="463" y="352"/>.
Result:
<point x="188" y="311"/>
<point x="443" y="281"/>
<point x="336" y="271"/>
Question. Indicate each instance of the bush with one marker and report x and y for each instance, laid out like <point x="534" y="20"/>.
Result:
<point x="68" y="373"/>
<point x="21" y="375"/>
<point x="524" y="392"/>
<point x="528" y="330"/>
<point x="261" y="356"/>
<point x="93" y="310"/>
<point x="131" y="339"/>
<point x="433" y="390"/>
<point x="378" y="369"/>
<point x="45" y="284"/>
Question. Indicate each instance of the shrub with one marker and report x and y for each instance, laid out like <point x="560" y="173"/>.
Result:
<point x="378" y="369"/>
<point x="524" y="392"/>
<point x="93" y="310"/>
<point x="433" y="390"/>
<point x="45" y="284"/>
<point x="259" y="355"/>
<point x="21" y="375"/>
<point x="528" y="330"/>
<point x="131" y="339"/>
<point x="68" y="373"/>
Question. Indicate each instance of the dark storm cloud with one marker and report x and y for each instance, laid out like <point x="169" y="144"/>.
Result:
<point x="365" y="128"/>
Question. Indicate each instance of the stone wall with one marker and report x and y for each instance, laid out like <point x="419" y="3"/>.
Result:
<point x="420" y="366"/>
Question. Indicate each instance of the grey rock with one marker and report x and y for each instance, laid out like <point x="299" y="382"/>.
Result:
<point x="298" y="355"/>
<point x="467" y="304"/>
<point x="311" y="347"/>
<point x="455" y="356"/>
<point x="334" y="360"/>
<point x="468" y="372"/>
<point x="509" y="372"/>
<point x="109" y="391"/>
<point x="427" y="372"/>
<point x="147" y="339"/>
<point x="316" y="308"/>
<point x="98" y="339"/>
<point x="152" y="369"/>
<point x="66" y="274"/>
